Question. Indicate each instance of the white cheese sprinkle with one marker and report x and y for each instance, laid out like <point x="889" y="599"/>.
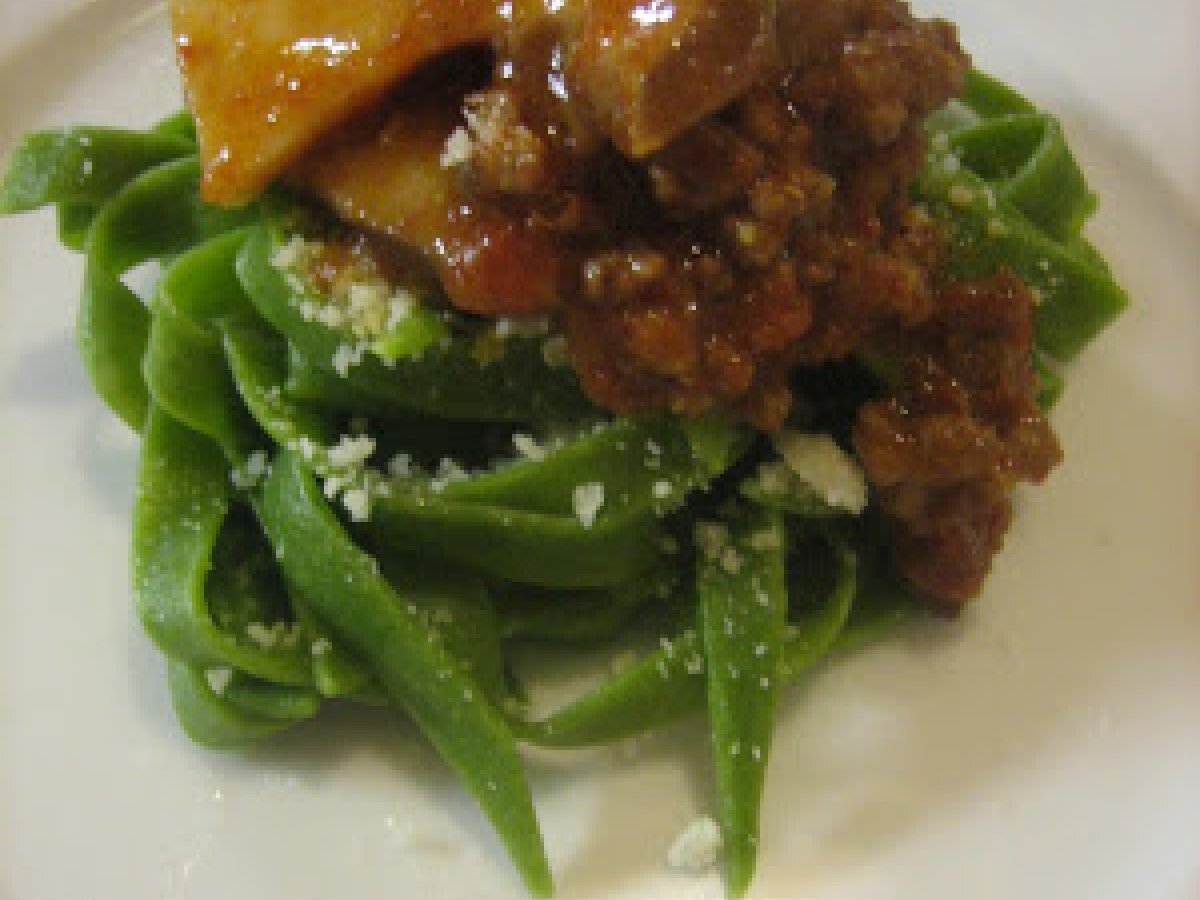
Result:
<point x="528" y="447"/>
<point x="695" y="849"/>
<point x="249" y="474"/>
<point x="264" y="635"/>
<point x="400" y="465"/>
<point x="347" y="356"/>
<point x="295" y="253"/>
<point x="358" y="503"/>
<point x="351" y="451"/>
<point x="587" y="500"/>
<point x="825" y="467"/>
<point x="448" y="471"/>
<point x="457" y="149"/>
<point x="218" y="679"/>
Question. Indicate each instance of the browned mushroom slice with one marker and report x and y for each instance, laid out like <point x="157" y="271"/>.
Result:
<point x="396" y="179"/>
<point x="266" y="77"/>
<point x="649" y="69"/>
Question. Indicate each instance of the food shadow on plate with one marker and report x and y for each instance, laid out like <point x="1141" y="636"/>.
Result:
<point x="48" y="375"/>
<point x="350" y="750"/>
<point x="47" y="381"/>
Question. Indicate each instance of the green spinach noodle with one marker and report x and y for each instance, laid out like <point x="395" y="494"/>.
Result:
<point x="307" y="532"/>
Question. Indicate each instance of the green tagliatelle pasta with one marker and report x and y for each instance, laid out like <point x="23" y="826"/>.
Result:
<point x="286" y="554"/>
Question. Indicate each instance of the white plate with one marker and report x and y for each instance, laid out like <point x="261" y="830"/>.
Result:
<point x="1046" y="746"/>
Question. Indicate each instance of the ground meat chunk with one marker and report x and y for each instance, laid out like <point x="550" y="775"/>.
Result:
<point x="708" y="167"/>
<point x="961" y="430"/>
<point x="868" y="68"/>
<point x="774" y="233"/>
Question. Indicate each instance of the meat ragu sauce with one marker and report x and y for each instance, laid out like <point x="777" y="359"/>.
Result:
<point x="694" y="264"/>
<point x="944" y="452"/>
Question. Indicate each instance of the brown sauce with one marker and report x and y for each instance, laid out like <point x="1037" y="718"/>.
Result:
<point x="773" y="232"/>
<point x="961" y="430"/>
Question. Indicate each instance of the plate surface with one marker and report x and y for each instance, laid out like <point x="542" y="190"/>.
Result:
<point x="1045" y="746"/>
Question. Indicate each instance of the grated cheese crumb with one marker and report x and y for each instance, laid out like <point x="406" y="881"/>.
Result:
<point x="327" y="314"/>
<point x="247" y="476"/>
<point x="587" y="500"/>
<point x="347" y="356"/>
<point x="297" y="252"/>
<point x="265" y="635"/>
<point x="358" y="503"/>
<point x="826" y="468"/>
<point x="307" y="447"/>
<point x="528" y="447"/>
<point x="399" y="307"/>
<point x="448" y="472"/>
<point x="351" y="451"/>
<point x="457" y="149"/>
<point x="218" y="679"/>
<point x="400" y="465"/>
<point x="334" y="485"/>
<point x="696" y="847"/>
